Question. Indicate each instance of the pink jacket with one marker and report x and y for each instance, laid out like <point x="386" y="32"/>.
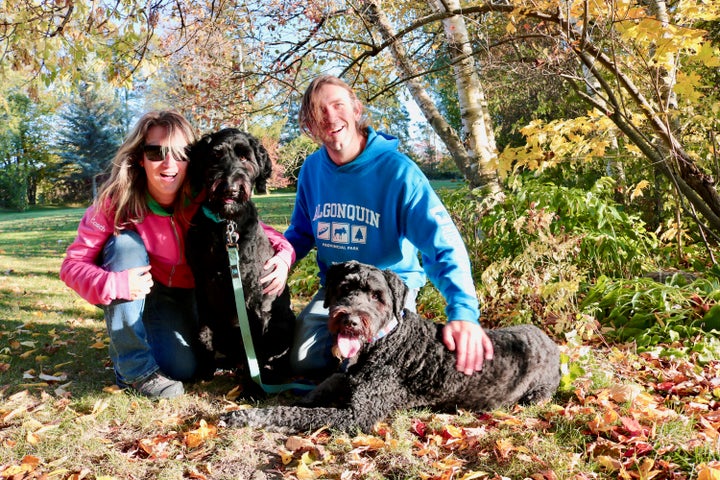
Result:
<point x="164" y="238"/>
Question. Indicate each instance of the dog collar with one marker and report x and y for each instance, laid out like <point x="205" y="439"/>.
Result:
<point x="211" y="215"/>
<point x="390" y="327"/>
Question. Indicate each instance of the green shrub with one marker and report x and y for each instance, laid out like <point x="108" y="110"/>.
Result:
<point x="684" y="315"/>
<point x="537" y="250"/>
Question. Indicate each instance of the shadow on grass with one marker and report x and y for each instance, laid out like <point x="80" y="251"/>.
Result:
<point x="41" y="354"/>
<point x="73" y="357"/>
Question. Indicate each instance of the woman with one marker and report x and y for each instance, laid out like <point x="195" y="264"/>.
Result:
<point x="129" y="258"/>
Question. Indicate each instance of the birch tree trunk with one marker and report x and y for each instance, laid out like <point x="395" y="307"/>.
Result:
<point x="476" y="168"/>
<point x="477" y="125"/>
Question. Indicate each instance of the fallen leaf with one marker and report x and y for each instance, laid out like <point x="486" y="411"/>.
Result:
<point x="709" y="471"/>
<point x="285" y="456"/>
<point x="504" y="447"/>
<point x="303" y="472"/>
<point x="294" y="443"/>
<point x="28" y="464"/>
<point x="196" y="437"/>
<point x="633" y="427"/>
<point x="451" y="431"/>
<point x="233" y="394"/>
<point x="418" y="427"/>
<point x="114" y="389"/>
<point x="474" y="475"/>
<point x="368" y="441"/>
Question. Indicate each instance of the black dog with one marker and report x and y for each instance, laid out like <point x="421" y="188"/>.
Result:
<point x="401" y="362"/>
<point x="227" y="164"/>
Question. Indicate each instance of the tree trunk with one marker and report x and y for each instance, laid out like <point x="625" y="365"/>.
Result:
<point x="474" y="169"/>
<point x="477" y="125"/>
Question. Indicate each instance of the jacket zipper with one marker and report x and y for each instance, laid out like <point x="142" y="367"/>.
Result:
<point x="177" y="242"/>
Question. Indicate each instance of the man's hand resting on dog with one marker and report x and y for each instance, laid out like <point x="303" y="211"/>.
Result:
<point x="274" y="282"/>
<point x="469" y="341"/>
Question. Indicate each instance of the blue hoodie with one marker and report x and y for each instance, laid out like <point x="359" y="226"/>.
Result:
<point x="380" y="209"/>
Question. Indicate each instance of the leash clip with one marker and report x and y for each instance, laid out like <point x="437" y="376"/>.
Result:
<point x="231" y="234"/>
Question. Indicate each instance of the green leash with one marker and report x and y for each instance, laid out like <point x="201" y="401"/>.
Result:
<point x="234" y="260"/>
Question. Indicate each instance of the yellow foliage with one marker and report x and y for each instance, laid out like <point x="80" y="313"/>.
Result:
<point x="708" y="471"/>
<point x="549" y="143"/>
<point x="638" y="190"/>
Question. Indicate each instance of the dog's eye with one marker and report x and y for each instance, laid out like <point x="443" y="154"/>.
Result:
<point x="376" y="296"/>
<point x="243" y="153"/>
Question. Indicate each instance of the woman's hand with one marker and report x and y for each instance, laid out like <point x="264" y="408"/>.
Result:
<point x="139" y="281"/>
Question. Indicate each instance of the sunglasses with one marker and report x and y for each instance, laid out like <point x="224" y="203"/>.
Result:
<point x="157" y="153"/>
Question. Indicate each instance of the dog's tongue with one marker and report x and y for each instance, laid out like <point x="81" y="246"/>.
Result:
<point x="347" y="345"/>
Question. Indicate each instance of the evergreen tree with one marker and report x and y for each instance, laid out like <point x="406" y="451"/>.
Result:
<point x="90" y="133"/>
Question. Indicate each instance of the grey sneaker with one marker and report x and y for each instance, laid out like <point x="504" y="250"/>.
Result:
<point x="158" y="385"/>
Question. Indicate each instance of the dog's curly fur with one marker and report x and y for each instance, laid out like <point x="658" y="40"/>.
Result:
<point x="227" y="164"/>
<point x="409" y="366"/>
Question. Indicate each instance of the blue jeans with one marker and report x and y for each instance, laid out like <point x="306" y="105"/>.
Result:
<point x="311" y="352"/>
<point x="157" y="332"/>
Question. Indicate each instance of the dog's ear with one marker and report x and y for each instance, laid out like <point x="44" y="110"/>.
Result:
<point x="263" y="158"/>
<point x="198" y="154"/>
<point x="333" y="276"/>
<point x="399" y="291"/>
<point x="336" y="275"/>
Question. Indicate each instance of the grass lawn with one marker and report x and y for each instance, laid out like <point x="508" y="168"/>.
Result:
<point x="62" y="418"/>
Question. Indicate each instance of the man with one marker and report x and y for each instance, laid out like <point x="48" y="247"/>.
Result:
<point x="360" y="199"/>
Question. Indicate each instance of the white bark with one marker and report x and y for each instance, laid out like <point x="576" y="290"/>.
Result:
<point x="477" y="126"/>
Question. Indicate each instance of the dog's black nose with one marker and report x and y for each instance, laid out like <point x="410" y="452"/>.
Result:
<point x="351" y="321"/>
<point x="233" y="190"/>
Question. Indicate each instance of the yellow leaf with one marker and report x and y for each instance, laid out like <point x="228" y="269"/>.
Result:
<point x="17" y="471"/>
<point x="233" y="394"/>
<point x="504" y="447"/>
<point x="368" y="441"/>
<point x="708" y="471"/>
<point x="61" y="473"/>
<point x="303" y="472"/>
<point x="638" y="190"/>
<point x="709" y="55"/>
<point x="285" y="456"/>
<point x="453" y="431"/>
<point x="114" y="389"/>
<point x="98" y="345"/>
<point x="608" y="463"/>
<point x="196" y="437"/>
<point x="32" y="438"/>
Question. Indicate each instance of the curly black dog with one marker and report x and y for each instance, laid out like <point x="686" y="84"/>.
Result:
<point x="226" y="164"/>
<point x="401" y="362"/>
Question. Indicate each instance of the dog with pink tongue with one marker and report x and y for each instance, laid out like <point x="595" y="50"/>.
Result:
<point x="397" y="360"/>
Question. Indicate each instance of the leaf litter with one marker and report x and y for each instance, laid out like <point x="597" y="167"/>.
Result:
<point x="621" y="427"/>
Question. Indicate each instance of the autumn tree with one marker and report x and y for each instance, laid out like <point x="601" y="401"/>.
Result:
<point x="639" y="66"/>
<point x="622" y="58"/>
